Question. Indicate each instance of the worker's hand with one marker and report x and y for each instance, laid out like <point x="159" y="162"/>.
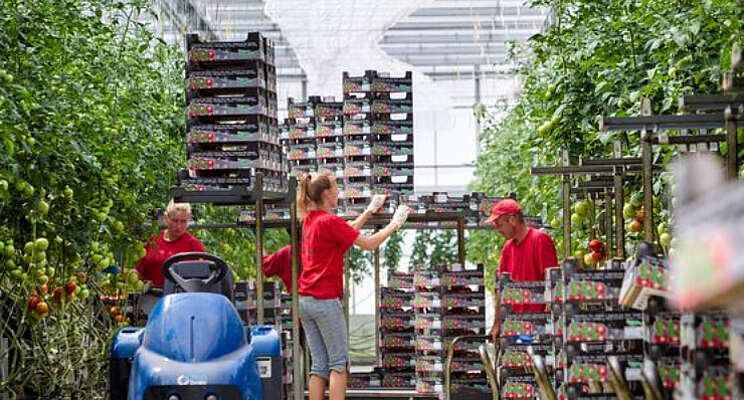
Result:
<point x="495" y="331"/>
<point x="400" y="216"/>
<point x="377" y="201"/>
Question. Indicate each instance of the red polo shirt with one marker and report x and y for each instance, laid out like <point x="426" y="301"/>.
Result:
<point x="150" y="267"/>
<point x="279" y="264"/>
<point x="325" y="239"/>
<point x="528" y="260"/>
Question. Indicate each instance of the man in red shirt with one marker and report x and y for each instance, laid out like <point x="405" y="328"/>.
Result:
<point x="527" y="253"/>
<point x="279" y="264"/>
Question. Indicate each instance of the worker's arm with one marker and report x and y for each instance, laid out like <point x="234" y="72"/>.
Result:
<point x="374" y="241"/>
<point x="362" y="219"/>
<point x="496" y="328"/>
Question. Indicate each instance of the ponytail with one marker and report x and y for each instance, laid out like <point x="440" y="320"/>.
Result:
<point x="303" y="187"/>
<point x="310" y="190"/>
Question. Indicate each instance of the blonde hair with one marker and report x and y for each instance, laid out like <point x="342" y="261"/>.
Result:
<point x="311" y="188"/>
<point x="174" y="207"/>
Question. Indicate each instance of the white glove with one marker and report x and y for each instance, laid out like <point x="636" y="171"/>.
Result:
<point x="376" y="203"/>
<point x="400" y="216"/>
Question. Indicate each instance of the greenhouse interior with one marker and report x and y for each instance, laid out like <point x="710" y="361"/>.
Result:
<point x="413" y="199"/>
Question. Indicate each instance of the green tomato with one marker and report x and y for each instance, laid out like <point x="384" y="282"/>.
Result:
<point x="42" y="279"/>
<point x="42" y="208"/>
<point x="39" y="256"/>
<point x="629" y="211"/>
<point x="68" y="192"/>
<point x="17" y="274"/>
<point x="579" y="254"/>
<point x="582" y="208"/>
<point x="576" y="219"/>
<point x="41" y="244"/>
<point x="28" y="248"/>
<point x="637" y="199"/>
<point x="95" y="246"/>
<point x="50" y="271"/>
<point x="96" y="259"/>
<point x="10" y="264"/>
<point x="555" y="222"/>
<point x="118" y="226"/>
<point x="9" y="250"/>
<point x="3" y="185"/>
<point x="84" y="293"/>
<point x="665" y="239"/>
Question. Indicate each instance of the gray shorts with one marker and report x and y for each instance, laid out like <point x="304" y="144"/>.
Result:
<point x="325" y="333"/>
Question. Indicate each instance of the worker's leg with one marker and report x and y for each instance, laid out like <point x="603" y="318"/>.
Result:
<point x="332" y="325"/>
<point x="318" y="351"/>
<point x="337" y="387"/>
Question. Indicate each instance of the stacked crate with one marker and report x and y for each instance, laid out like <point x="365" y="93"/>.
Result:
<point x="300" y="140"/>
<point x="232" y="116"/>
<point x="329" y="124"/>
<point x="597" y="329"/>
<point x="397" y="338"/>
<point x="357" y="135"/>
<point x="449" y="303"/>
<point x="392" y="133"/>
<point x="525" y="324"/>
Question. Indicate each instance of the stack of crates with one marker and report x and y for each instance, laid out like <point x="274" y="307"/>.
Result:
<point x="232" y="116"/>
<point x="596" y="329"/>
<point x="397" y="337"/>
<point x="449" y="302"/>
<point x="392" y="133"/>
<point x="329" y="124"/>
<point x="300" y="137"/>
<point x="357" y="134"/>
<point x="525" y="326"/>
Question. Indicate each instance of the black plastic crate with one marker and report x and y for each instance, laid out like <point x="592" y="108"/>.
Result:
<point x="358" y="86"/>
<point x="260" y="131"/>
<point x="356" y="106"/>
<point x="330" y="150"/>
<point x="404" y="127"/>
<point x="205" y="163"/>
<point x="304" y="151"/>
<point x="213" y="55"/>
<point x="400" y="93"/>
<point x="231" y="82"/>
<point x="300" y="109"/>
<point x="226" y="109"/>
<point x="329" y="129"/>
<point x="297" y="133"/>
<point x="329" y="110"/>
<point x="263" y="146"/>
<point x="357" y="128"/>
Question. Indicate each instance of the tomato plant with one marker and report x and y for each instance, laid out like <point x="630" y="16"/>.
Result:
<point x="598" y="58"/>
<point x="91" y="135"/>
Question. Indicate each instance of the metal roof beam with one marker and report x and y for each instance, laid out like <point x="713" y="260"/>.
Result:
<point x="434" y="11"/>
<point x="469" y="48"/>
<point x="482" y="37"/>
<point x="445" y="60"/>
<point x="464" y="25"/>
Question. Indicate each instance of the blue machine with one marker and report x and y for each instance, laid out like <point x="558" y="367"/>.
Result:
<point x="194" y="345"/>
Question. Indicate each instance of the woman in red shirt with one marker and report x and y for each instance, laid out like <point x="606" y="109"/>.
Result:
<point x="172" y="240"/>
<point x="325" y="239"/>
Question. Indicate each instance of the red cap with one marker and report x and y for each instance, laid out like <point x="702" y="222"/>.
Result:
<point x="503" y="207"/>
